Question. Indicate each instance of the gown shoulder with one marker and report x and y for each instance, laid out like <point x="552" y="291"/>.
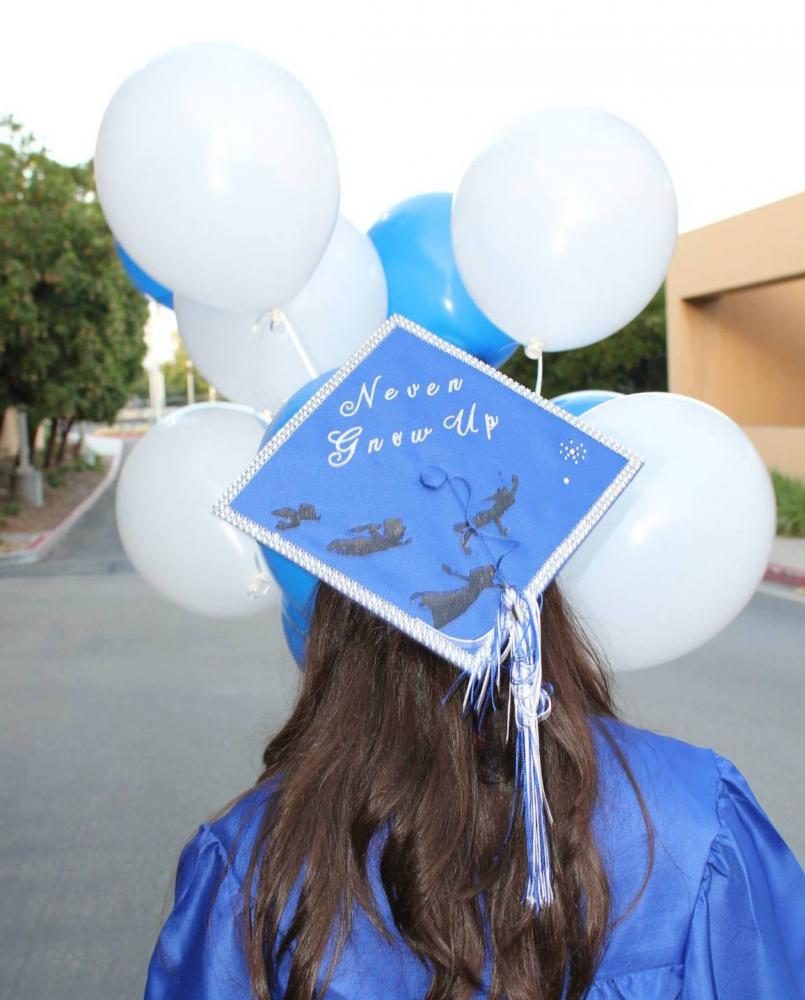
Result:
<point x="200" y="951"/>
<point x="721" y="912"/>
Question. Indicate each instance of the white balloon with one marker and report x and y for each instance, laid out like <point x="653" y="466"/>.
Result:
<point x="229" y="349"/>
<point x="216" y="172"/>
<point x="344" y="302"/>
<point x="253" y="361"/>
<point x="683" y="549"/>
<point x="564" y="228"/>
<point x="165" y="495"/>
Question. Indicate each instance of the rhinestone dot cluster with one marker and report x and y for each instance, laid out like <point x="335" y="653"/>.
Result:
<point x="573" y="451"/>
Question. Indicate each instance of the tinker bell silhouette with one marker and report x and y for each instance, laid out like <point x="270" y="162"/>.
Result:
<point x="294" y="516"/>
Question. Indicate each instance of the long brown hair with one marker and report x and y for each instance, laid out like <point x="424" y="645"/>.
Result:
<point x="371" y="745"/>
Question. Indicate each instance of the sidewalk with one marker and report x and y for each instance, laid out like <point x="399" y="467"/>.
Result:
<point x="787" y="564"/>
<point x="37" y="546"/>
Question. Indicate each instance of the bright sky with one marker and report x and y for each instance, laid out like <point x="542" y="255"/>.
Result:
<point x="412" y="90"/>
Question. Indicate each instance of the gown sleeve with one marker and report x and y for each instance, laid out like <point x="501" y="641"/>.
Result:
<point x="199" y="953"/>
<point x="747" y="935"/>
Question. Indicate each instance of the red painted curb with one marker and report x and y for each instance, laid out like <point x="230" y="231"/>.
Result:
<point x="786" y="575"/>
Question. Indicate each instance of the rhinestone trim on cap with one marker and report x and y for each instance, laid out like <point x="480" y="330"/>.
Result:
<point x="467" y="654"/>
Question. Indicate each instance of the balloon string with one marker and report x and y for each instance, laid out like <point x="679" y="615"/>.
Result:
<point x="279" y="319"/>
<point x="260" y="329"/>
<point x="534" y="351"/>
<point x="262" y="582"/>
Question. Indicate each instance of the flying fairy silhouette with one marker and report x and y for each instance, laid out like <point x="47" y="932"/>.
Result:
<point x="293" y="516"/>
<point x="446" y="605"/>
<point x="502" y="499"/>
<point x="372" y="538"/>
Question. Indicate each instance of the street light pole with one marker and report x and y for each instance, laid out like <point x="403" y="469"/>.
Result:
<point x="27" y="479"/>
<point x="191" y="385"/>
<point x="156" y="392"/>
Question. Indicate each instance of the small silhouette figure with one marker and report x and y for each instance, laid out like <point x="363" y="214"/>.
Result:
<point x="502" y="499"/>
<point x="373" y="538"/>
<point x="293" y="516"/>
<point x="446" y="605"/>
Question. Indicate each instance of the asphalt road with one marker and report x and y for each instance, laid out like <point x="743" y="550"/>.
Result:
<point x="124" y="722"/>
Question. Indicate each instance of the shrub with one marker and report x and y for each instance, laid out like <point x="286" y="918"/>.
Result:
<point x="93" y="464"/>
<point x="54" y="477"/>
<point x="790" y="494"/>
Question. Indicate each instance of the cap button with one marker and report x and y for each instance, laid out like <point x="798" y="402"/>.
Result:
<point x="433" y="476"/>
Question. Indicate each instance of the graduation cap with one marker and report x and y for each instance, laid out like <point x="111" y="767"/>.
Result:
<point x="444" y="497"/>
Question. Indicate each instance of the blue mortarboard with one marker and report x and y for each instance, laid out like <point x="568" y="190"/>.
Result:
<point x="444" y="497"/>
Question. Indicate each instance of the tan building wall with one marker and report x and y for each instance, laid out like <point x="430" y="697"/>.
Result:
<point x="736" y="325"/>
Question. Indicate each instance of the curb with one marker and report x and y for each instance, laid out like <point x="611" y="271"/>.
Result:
<point x="43" y="543"/>
<point x="788" y="576"/>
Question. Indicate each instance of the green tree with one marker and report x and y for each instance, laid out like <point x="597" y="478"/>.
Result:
<point x="632" y="360"/>
<point x="71" y="322"/>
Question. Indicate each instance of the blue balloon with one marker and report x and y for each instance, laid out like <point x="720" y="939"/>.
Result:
<point x="144" y="282"/>
<point x="295" y="627"/>
<point x="579" y="402"/>
<point x="296" y="584"/>
<point x="414" y="243"/>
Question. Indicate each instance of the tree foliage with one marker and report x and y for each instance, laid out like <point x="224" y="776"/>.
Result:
<point x="632" y="360"/>
<point x="71" y="322"/>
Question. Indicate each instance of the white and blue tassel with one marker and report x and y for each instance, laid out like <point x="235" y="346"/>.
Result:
<point x="518" y="640"/>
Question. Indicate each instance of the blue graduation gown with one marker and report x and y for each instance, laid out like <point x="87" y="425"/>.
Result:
<point x="722" y="917"/>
